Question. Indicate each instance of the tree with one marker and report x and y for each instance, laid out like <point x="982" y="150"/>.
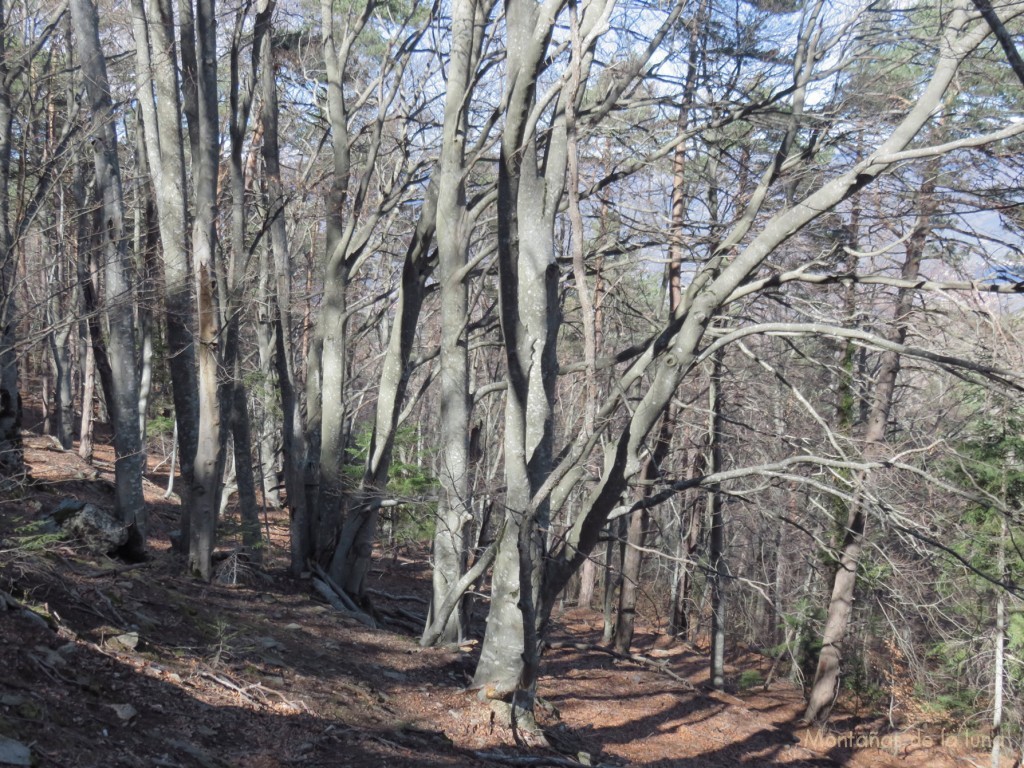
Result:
<point x="158" y="93"/>
<point x="121" y="384"/>
<point x="13" y="66"/>
<point x="522" y="603"/>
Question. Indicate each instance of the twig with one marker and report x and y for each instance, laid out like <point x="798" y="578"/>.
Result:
<point x="229" y="685"/>
<point x="298" y="705"/>
<point x="415" y="618"/>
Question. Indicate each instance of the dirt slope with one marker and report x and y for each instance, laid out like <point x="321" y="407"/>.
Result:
<point x="104" y="663"/>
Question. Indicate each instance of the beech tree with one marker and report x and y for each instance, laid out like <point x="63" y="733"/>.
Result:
<point x="121" y="382"/>
<point x="526" y="585"/>
<point x="644" y="276"/>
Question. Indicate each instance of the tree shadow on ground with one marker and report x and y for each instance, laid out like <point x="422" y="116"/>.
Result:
<point x="77" y="704"/>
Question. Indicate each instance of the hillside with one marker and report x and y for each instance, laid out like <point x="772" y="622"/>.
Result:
<point x="106" y="663"/>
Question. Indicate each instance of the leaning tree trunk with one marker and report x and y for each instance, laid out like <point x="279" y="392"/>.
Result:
<point x="129" y="500"/>
<point x="840" y="607"/>
<point x="677" y="350"/>
<point x="717" y="569"/>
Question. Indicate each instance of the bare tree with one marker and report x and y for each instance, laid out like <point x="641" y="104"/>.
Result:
<point x="123" y="386"/>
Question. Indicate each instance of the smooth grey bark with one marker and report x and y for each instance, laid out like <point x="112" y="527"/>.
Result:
<point x="157" y="84"/>
<point x="531" y="183"/>
<point x="124" y="397"/>
<point x="454" y="225"/>
<point x="204" y="495"/>
<point x="83" y="246"/>
<point x="57" y="309"/>
<point x="328" y="413"/>
<point x="293" y="436"/>
<point x="268" y="438"/>
<point x="351" y="559"/>
<point x="509" y="657"/>
<point x="612" y="578"/>
<point x="351" y="222"/>
<point x="146" y="244"/>
<point x="234" y="392"/>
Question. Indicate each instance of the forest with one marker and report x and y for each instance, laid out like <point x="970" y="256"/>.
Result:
<point x="701" y="316"/>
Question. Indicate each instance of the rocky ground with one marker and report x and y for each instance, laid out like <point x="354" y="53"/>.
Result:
<point x="106" y="663"/>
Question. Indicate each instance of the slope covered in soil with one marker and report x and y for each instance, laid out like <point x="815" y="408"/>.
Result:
<point x="106" y="663"/>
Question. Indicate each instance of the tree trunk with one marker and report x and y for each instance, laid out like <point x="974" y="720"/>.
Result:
<point x="690" y="526"/>
<point x="451" y="543"/>
<point x="328" y="412"/>
<point x="160" y="103"/>
<point x="88" y="396"/>
<point x="12" y="465"/>
<point x="293" y="437"/>
<point x="234" y="392"/>
<point x="124" y="398"/>
<point x="826" y="677"/>
<point x="999" y="641"/>
<point x="199" y="39"/>
<point x="270" y="425"/>
<point x="717" y="568"/>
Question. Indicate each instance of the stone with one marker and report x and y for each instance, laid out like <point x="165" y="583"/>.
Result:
<point x="14" y="752"/>
<point x="98" y="530"/>
<point x="124" y="711"/>
<point x="129" y="641"/>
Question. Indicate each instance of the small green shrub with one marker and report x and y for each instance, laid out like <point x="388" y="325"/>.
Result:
<point x="749" y="678"/>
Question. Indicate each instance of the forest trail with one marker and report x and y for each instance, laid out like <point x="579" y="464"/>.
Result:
<point x="137" y="665"/>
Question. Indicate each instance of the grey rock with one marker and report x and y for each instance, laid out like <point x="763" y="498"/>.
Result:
<point x="129" y="641"/>
<point x="98" y="530"/>
<point x="14" y="752"/>
<point x="124" y="711"/>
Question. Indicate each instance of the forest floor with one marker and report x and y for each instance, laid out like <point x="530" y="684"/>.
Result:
<point x="105" y="663"/>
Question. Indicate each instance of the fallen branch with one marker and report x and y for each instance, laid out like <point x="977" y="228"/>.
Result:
<point x="6" y="601"/>
<point x="229" y="685"/>
<point x="635" y="658"/>
<point x="398" y="598"/>
<point x="498" y="757"/>
<point x="339" y="600"/>
<point x="9" y="603"/>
